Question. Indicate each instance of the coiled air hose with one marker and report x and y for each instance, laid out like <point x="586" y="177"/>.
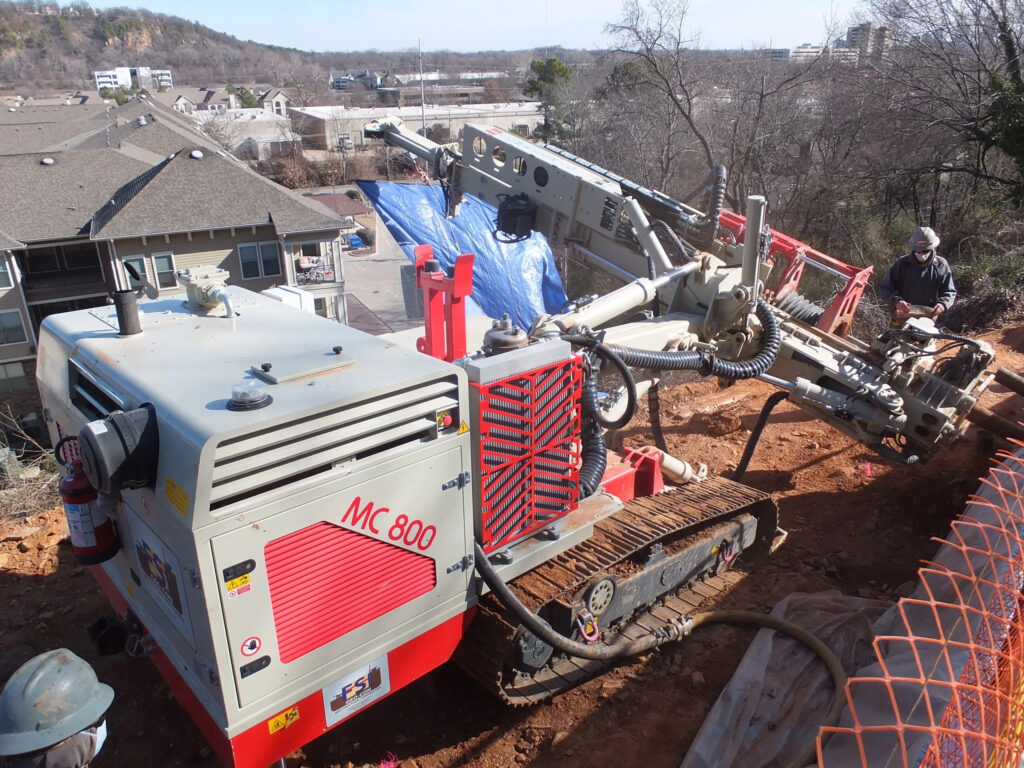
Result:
<point x="625" y="648"/>
<point x="611" y="355"/>
<point x="706" y="362"/>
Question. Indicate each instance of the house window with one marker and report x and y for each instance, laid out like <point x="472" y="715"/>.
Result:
<point x="80" y="256"/>
<point x="259" y="260"/>
<point x="40" y="260"/>
<point x="5" y="275"/>
<point x="163" y="264"/>
<point x="139" y="262"/>
<point x="320" y="306"/>
<point x="12" y="330"/>
<point x="12" y="378"/>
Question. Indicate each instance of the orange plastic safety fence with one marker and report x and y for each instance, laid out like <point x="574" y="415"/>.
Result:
<point x="948" y="688"/>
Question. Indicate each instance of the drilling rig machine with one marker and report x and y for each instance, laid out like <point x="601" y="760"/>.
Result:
<point x="308" y="518"/>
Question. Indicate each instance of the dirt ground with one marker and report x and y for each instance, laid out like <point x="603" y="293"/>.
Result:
<point x="855" y="522"/>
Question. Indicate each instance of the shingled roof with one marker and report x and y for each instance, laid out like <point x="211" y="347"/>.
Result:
<point x="49" y="201"/>
<point x="146" y="182"/>
<point x="200" y="190"/>
<point x="8" y="243"/>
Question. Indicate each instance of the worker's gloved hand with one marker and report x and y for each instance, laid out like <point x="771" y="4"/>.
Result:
<point x="937" y="310"/>
<point x="902" y="308"/>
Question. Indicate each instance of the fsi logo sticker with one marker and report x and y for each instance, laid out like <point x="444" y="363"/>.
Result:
<point x="356" y="690"/>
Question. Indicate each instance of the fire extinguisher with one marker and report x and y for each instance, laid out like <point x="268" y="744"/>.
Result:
<point x="93" y="535"/>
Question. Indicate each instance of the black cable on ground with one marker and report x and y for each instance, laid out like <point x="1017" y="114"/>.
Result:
<point x="762" y="418"/>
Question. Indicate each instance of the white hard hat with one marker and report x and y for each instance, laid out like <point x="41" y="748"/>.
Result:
<point x="49" y="698"/>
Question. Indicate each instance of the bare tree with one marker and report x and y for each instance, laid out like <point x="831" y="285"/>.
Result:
<point x="221" y="129"/>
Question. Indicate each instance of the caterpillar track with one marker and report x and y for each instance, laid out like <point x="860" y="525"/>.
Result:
<point x="665" y="554"/>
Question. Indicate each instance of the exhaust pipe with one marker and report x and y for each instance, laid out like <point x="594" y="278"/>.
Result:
<point x="126" y="304"/>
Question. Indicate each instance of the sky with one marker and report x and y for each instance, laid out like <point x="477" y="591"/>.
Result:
<point x="476" y="25"/>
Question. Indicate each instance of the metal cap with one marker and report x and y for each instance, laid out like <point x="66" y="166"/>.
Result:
<point x="49" y="698"/>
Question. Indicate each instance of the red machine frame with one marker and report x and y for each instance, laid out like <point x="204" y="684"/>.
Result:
<point x="838" y="317"/>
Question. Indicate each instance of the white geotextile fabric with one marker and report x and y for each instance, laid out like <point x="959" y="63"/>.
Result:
<point x="780" y="691"/>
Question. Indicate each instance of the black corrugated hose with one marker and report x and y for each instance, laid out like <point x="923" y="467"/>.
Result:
<point x="709" y="227"/>
<point x="748" y="453"/>
<point x="593" y="456"/>
<point x="706" y="362"/>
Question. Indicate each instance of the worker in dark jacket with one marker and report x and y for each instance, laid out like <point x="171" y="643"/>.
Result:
<point x="52" y="713"/>
<point x="920" y="278"/>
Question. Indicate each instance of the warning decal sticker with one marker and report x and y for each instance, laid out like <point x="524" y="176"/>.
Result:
<point x="282" y="721"/>
<point x="177" y="496"/>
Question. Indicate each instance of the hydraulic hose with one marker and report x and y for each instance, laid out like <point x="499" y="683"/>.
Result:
<point x="706" y="362"/>
<point x="835" y="667"/>
<point x="709" y="226"/>
<point x="685" y="252"/>
<point x="762" y="419"/>
<point x="963" y="340"/>
<point x="593" y="456"/>
<point x="622" y="649"/>
<point x="545" y="632"/>
<point x="605" y="352"/>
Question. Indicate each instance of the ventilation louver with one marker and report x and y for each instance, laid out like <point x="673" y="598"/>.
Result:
<point x="259" y="462"/>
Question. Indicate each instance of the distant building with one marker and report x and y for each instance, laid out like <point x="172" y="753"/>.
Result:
<point x="126" y="77"/>
<point x="341" y="128"/>
<point x="807" y="53"/>
<point x="119" y="77"/>
<point x="340" y="81"/>
<point x="409" y="95"/>
<point x="275" y="101"/>
<point x="869" y="40"/>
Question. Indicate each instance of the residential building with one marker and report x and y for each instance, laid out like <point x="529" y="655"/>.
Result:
<point x="126" y="77"/>
<point x="337" y="127"/>
<point x="250" y="134"/>
<point x="869" y="39"/>
<point x="119" y="77"/>
<point x="275" y="101"/>
<point x="340" y="81"/>
<point x="807" y="53"/>
<point x="90" y="189"/>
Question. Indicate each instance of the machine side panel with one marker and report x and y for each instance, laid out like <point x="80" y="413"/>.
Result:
<point x="322" y="587"/>
<point x="304" y="720"/>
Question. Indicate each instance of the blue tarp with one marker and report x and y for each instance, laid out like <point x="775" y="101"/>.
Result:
<point x="518" y="278"/>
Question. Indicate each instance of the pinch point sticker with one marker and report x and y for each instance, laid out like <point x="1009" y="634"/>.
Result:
<point x="282" y="721"/>
<point x="251" y="646"/>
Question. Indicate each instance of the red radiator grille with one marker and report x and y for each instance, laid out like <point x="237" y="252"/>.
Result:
<point x="326" y="581"/>
<point x="529" y="451"/>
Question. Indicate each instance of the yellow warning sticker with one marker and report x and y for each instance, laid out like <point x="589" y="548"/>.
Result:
<point x="241" y="581"/>
<point x="177" y="496"/>
<point x="463" y="428"/>
<point x="282" y="721"/>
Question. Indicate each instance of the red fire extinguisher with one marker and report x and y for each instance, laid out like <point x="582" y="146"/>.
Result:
<point x="93" y="535"/>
